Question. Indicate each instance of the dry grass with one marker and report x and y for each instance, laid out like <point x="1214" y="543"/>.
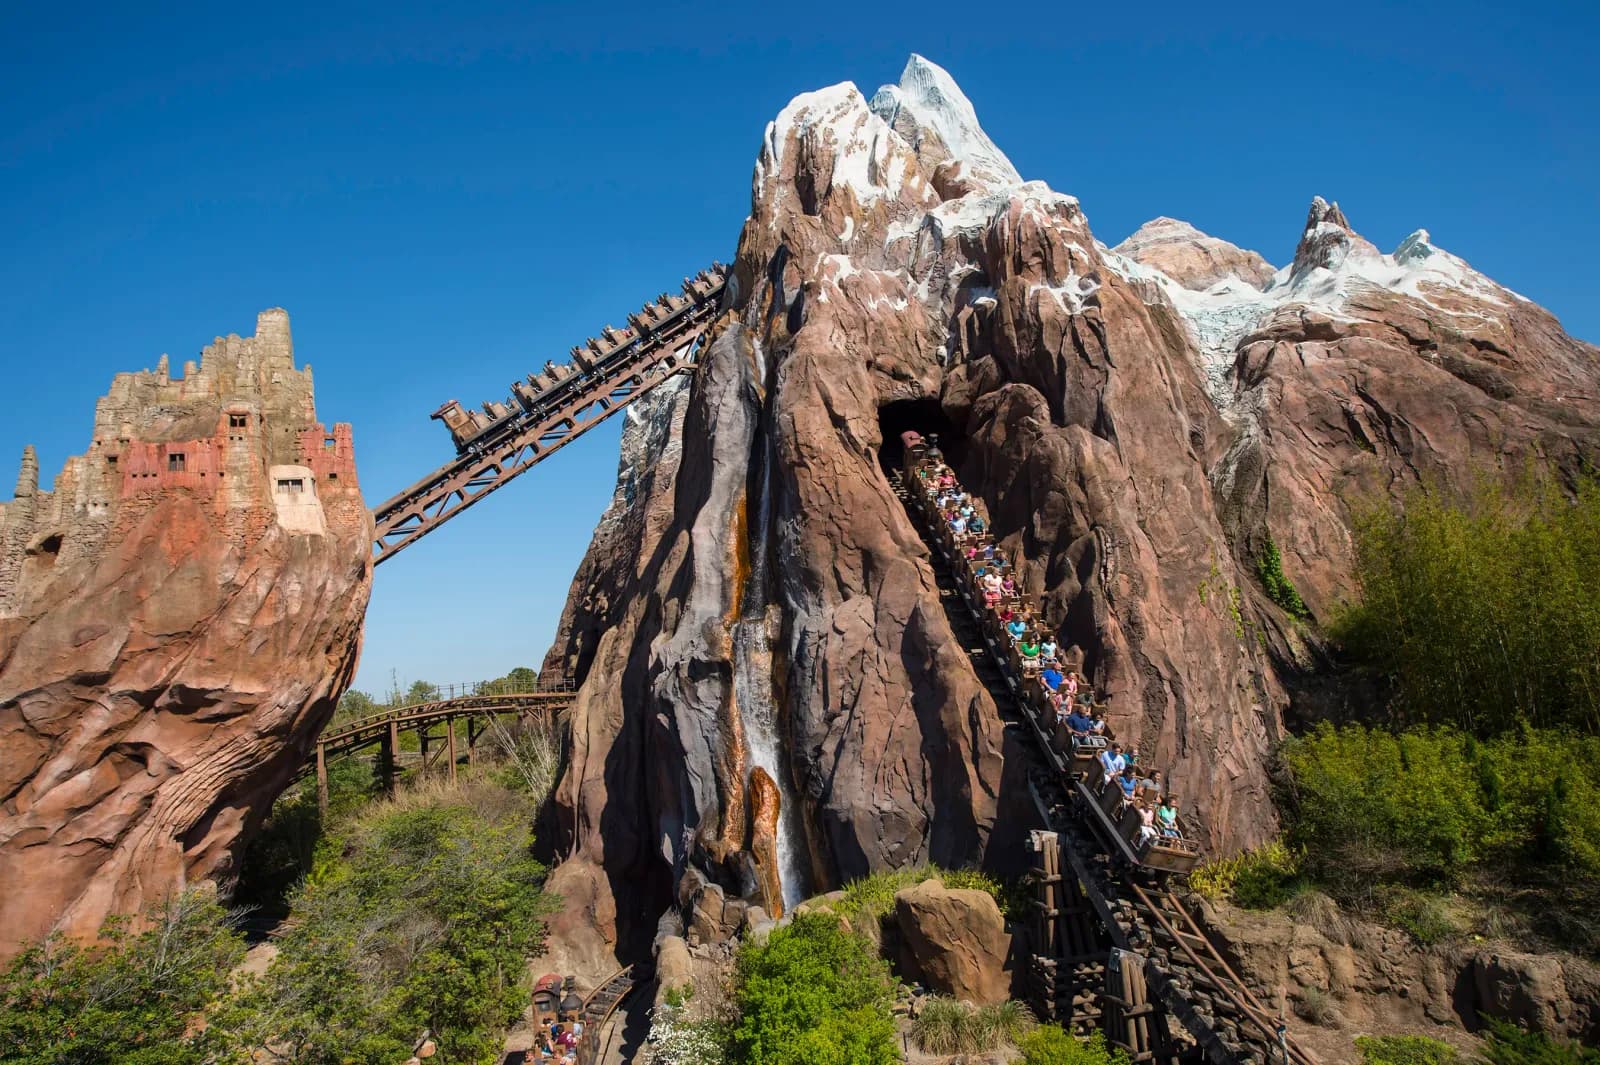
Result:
<point x="1320" y="912"/>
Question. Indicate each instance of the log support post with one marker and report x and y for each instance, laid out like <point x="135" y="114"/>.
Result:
<point x="391" y="756"/>
<point x="322" y="779"/>
<point x="450" y="745"/>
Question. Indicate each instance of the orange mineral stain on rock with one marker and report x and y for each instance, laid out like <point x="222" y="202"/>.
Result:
<point x="765" y="803"/>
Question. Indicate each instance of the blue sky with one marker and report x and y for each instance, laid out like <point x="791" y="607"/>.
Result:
<point x="444" y="196"/>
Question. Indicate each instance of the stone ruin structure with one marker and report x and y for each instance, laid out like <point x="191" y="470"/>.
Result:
<point x="178" y="618"/>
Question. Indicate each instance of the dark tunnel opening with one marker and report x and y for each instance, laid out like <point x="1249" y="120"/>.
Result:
<point x="923" y="416"/>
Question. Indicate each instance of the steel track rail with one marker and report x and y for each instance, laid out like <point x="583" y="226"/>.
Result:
<point x="523" y="438"/>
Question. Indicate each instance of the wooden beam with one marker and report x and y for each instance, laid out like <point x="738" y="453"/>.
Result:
<point x="322" y="779"/>
<point x="391" y="755"/>
<point x="450" y="743"/>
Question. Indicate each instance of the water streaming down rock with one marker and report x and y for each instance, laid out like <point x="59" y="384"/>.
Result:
<point x="753" y="680"/>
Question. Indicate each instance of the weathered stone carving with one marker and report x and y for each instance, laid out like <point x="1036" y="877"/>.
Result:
<point x="177" y="620"/>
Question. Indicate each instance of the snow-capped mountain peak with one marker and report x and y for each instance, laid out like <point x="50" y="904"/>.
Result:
<point x="932" y="101"/>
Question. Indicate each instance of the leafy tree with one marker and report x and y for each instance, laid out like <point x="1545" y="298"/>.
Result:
<point x="1483" y="611"/>
<point x="421" y="692"/>
<point x="129" y="999"/>
<point x="813" y="994"/>
<point x="355" y="704"/>
<point x="417" y="914"/>
<point x="522" y="679"/>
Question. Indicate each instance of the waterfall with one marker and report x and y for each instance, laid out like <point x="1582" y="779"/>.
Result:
<point x="752" y="682"/>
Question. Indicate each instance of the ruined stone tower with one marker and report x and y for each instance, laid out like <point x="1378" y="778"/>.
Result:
<point x="178" y="617"/>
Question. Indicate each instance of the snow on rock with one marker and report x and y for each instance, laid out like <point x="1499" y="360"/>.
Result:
<point x="929" y="97"/>
<point x="836" y="124"/>
<point x="1332" y="265"/>
<point x="1194" y="259"/>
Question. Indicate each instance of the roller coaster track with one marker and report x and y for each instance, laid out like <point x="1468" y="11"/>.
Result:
<point x="383" y="730"/>
<point x="1187" y="978"/>
<point x="601" y="1005"/>
<point x="604" y="377"/>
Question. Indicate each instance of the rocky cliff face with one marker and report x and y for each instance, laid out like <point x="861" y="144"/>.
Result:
<point x="1139" y="422"/>
<point x="177" y="620"/>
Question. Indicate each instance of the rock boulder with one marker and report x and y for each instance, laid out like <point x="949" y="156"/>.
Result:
<point x="953" y="941"/>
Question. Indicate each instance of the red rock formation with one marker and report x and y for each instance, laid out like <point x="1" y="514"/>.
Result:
<point x="1136" y="438"/>
<point x="177" y="620"/>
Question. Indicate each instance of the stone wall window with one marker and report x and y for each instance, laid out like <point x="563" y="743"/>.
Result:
<point x="238" y="421"/>
<point x="176" y="462"/>
<point x="292" y="486"/>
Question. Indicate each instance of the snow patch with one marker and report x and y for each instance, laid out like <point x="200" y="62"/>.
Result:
<point x="1223" y="315"/>
<point x="837" y="117"/>
<point x="930" y="97"/>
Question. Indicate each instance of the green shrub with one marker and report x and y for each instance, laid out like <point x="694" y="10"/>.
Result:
<point x="1405" y="1050"/>
<point x="130" y="999"/>
<point x="1483" y="611"/>
<point x="1256" y="879"/>
<point x="813" y="994"/>
<point x="1367" y="807"/>
<point x="280" y="854"/>
<point x="1509" y="1045"/>
<point x="1049" y="1044"/>
<point x="416" y="915"/>
<point x="1422" y="915"/>
<point x="1269" y="568"/>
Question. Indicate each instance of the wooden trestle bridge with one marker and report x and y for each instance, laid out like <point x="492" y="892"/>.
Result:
<point x="434" y="723"/>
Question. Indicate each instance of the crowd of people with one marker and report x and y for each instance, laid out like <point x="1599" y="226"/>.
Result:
<point x="1046" y="676"/>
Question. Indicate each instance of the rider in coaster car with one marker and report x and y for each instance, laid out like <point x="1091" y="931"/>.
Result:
<point x="1078" y="722"/>
<point x="1051" y="678"/>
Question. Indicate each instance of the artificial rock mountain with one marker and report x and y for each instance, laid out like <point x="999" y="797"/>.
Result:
<point x="177" y="621"/>
<point x="1140" y="421"/>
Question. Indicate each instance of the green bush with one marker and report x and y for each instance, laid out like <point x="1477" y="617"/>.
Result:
<point x="130" y="1000"/>
<point x="416" y="915"/>
<point x="1367" y="807"/>
<point x="1269" y="568"/>
<point x="1420" y="914"/>
<point x="1509" y="1045"/>
<point x="1257" y="879"/>
<point x="813" y="994"/>
<point x="1483" y="612"/>
<point x="280" y="854"/>
<point x="1405" y="1050"/>
<point x="1049" y="1044"/>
